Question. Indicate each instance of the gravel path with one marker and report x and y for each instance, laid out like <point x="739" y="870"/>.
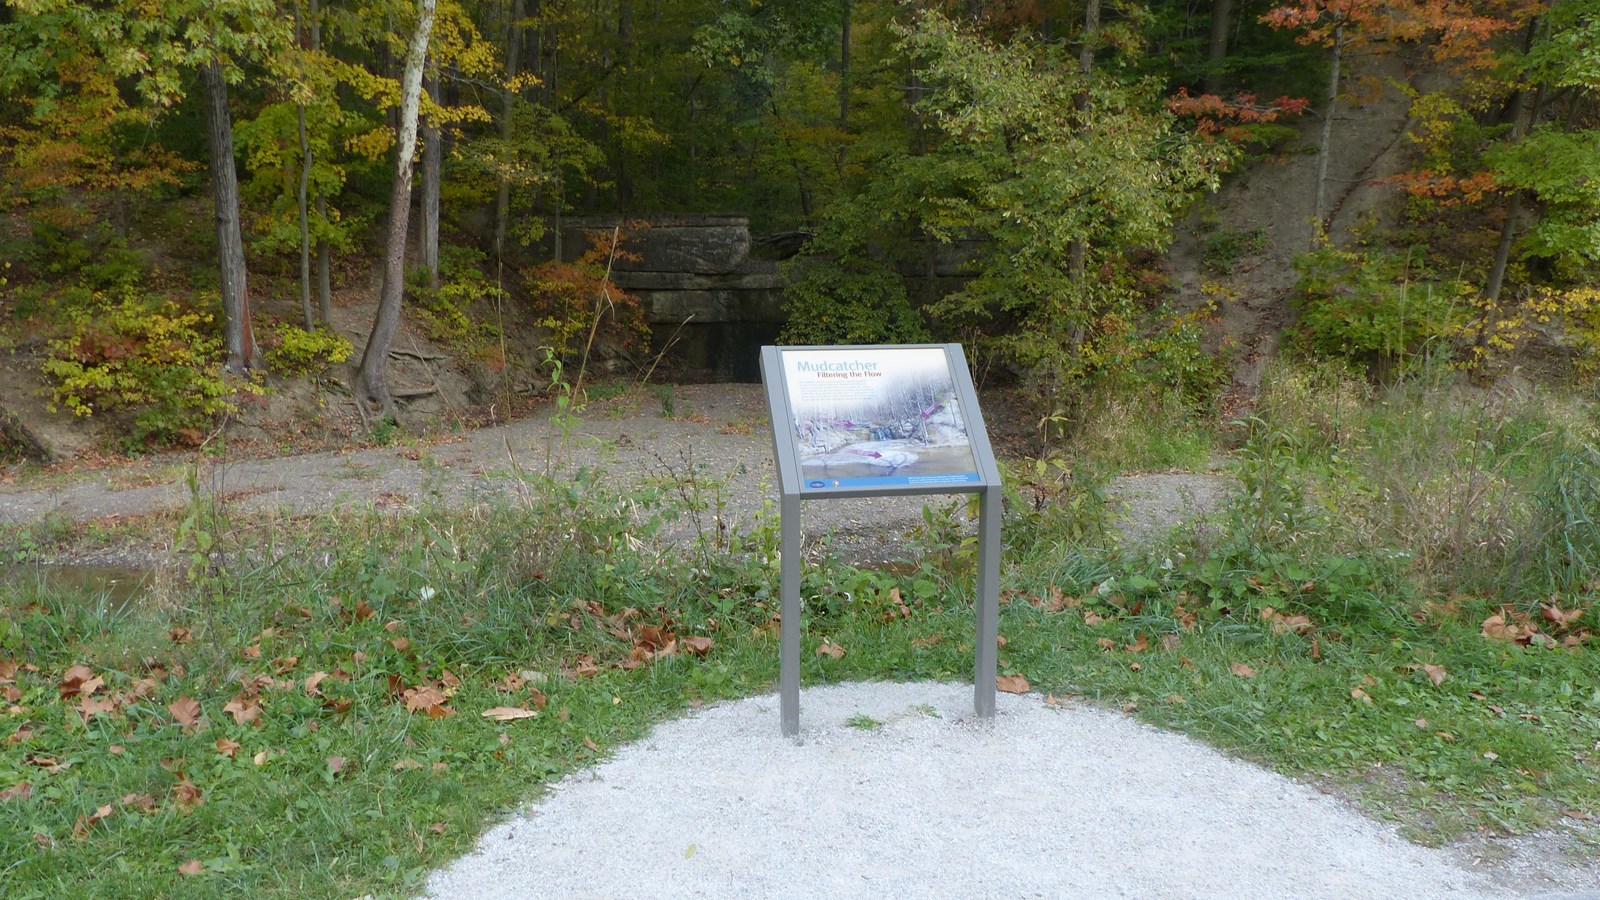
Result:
<point x="896" y="790"/>
<point x="720" y="434"/>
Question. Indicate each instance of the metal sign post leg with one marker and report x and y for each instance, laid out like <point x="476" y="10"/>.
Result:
<point x="789" y="638"/>
<point x="987" y="602"/>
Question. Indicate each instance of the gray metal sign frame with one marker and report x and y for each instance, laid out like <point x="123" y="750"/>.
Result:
<point x="792" y="490"/>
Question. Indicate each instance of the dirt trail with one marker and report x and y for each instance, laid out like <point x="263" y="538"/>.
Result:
<point x="1239" y="249"/>
<point x="717" y="443"/>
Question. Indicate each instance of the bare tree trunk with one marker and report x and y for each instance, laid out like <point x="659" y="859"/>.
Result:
<point x="502" y="199"/>
<point x="1077" y="251"/>
<point x="1325" y="146"/>
<point x="372" y="378"/>
<point x="241" y="343"/>
<point x="844" y="63"/>
<point x="300" y="201"/>
<point x="1217" y="52"/>
<point x="324" y="257"/>
<point x="428" y="238"/>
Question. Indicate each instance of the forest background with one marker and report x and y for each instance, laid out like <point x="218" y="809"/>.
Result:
<point x="210" y="208"/>
<point x="1052" y="144"/>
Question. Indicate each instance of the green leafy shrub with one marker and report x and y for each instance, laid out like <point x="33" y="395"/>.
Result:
<point x="302" y="352"/>
<point x="99" y="258"/>
<point x="848" y="302"/>
<point x="577" y="303"/>
<point x="445" y="314"/>
<point x="1374" y="306"/>
<point x="146" y="355"/>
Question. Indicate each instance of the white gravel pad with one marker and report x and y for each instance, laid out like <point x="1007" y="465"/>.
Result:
<point x="1042" y="801"/>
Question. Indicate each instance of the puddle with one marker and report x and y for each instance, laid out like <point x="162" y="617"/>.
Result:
<point x="116" y="586"/>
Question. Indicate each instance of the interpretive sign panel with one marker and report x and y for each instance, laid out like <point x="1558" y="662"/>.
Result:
<point x="871" y="420"/>
<point x="850" y="421"/>
<point x="877" y="416"/>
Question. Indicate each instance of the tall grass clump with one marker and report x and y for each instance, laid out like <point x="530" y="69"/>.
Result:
<point x="1475" y="490"/>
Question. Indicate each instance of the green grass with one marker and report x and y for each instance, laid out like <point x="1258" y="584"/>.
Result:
<point x="359" y="792"/>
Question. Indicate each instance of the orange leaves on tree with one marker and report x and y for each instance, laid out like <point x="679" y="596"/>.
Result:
<point x="1216" y="116"/>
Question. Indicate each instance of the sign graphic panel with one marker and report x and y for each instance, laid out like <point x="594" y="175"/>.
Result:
<point x="874" y="417"/>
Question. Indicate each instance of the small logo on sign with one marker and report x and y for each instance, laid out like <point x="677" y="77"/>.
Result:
<point x="816" y="484"/>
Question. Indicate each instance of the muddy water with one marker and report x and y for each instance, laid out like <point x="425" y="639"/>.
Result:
<point x="930" y="461"/>
<point x="117" y="586"/>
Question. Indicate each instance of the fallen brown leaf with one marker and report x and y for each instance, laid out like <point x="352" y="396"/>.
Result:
<point x="186" y="794"/>
<point x="336" y="764"/>
<point x="252" y="652"/>
<point x="192" y="867"/>
<point x="85" y="824"/>
<point x="1170" y="641"/>
<point x="243" y="708"/>
<point x="508" y="713"/>
<point x="1436" y="674"/>
<point x="227" y="747"/>
<point x="427" y="698"/>
<point x="829" y="648"/>
<point x="186" y="711"/>
<point x="79" y="680"/>
<point x="1242" y="670"/>
<point x="313" y="680"/>
<point x="1138" y="646"/>
<point x="20" y="791"/>
<point x="178" y="635"/>
<point x="89" y="707"/>
<point x="1359" y="694"/>
<point x="697" y="645"/>
<point x="1013" y="684"/>
<point x="142" y="802"/>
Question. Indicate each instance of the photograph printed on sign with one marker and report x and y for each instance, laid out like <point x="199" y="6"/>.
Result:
<point x="873" y="417"/>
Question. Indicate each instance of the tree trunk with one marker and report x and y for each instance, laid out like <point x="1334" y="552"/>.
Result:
<point x="1217" y="52"/>
<point x="1325" y="146"/>
<point x="241" y="343"/>
<point x="844" y="63"/>
<point x="324" y="256"/>
<point x="428" y="237"/>
<point x="502" y="199"/>
<point x="301" y="201"/>
<point x="372" y="378"/>
<point x="1522" y="120"/>
<point x="1077" y="251"/>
